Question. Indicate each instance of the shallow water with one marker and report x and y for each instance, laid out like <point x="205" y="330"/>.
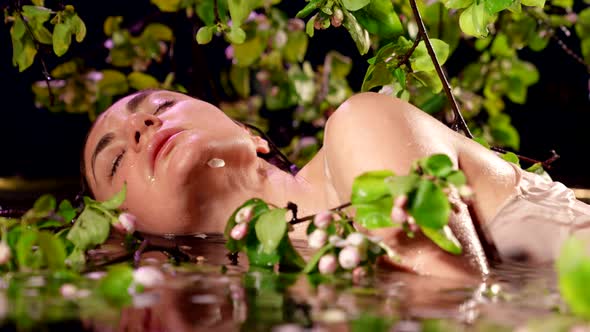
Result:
<point x="213" y="294"/>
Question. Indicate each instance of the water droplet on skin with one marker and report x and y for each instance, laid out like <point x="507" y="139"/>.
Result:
<point x="216" y="163"/>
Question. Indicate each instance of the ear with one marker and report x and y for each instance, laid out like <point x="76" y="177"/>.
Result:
<point x="261" y="144"/>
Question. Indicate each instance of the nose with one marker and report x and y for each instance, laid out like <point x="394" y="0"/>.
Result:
<point x="140" y="125"/>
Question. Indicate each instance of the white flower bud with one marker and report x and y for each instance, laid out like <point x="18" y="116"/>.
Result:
<point x="245" y="214"/>
<point x="68" y="291"/>
<point x="349" y="257"/>
<point x="5" y="253"/>
<point x="280" y="39"/>
<point x="401" y="201"/>
<point x="126" y="223"/>
<point x="327" y="264"/>
<point x="398" y="214"/>
<point x="323" y="219"/>
<point x="317" y="238"/>
<point x="465" y="191"/>
<point x="239" y="231"/>
<point x="148" y="276"/>
<point x="337" y="241"/>
<point x="355" y="239"/>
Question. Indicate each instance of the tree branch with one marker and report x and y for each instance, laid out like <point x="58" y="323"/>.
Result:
<point x="459" y="122"/>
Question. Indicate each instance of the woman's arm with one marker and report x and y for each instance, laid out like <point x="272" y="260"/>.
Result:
<point x="372" y="131"/>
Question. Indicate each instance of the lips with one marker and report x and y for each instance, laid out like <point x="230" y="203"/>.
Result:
<point x="160" y="143"/>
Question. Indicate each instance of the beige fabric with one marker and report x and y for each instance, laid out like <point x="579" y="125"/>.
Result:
<point x="532" y="225"/>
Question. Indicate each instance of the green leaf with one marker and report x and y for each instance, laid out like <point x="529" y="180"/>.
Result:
<point x="240" y="80"/>
<point x="113" y="83"/>
<point x="374" y="214"/>
<point x="249" y="51"/>
<point x="474" y="20"/>
<point x="239" y="11"/>
<point x="494" y="6"/>
<point x="443" y="240"/>
<point x="309" y="8"/>
<point x="90" y="229"/>
<point x="117" y="199"/>
<point x="167" y="5"/>
<point x="296" y="46"/>
<point x="457" y="4"/>
<point x="428" y="79"/>
<point x="371" y="186"/>
<point x="76" y="260"/>
<point x="259" y="208"/>
<point x="78" y="27"/>
<point x="359" y="35"/>
<point x="309" y="26"/>
<point x="403" y="185"/>
<point x="270" y="229"/>
<point x="430" y="206"/>
<point x="114" y="286"/>
<point x="53" y="250"/>
<point x="439" y="165"/>
<point x="376" y="75"/>
<point x="511" y="157"/>
<point x="62" y="38"/>
<point x="38" y="13"/>
<point x="44" y="205"/>
<point x="533" y="3"/>
<point x="354" y="5"/>
<point x="501" y="47"/>
<point x="573" y="268"/>
<point x="158" y="31"/>
<point x="420" y="59"/>
<point x="141" y="81"/>
<point x="24" y="247"/>
<point x="456" y="178"/>
<point x="379" y="18"/>
<point x="205" y="34"/>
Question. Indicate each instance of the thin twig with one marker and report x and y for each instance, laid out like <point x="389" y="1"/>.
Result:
<point x="459" y="121"/>
<point x="408" y="54"/>
<point x="546" y="163"/>
<point x="216" y="11"/>
<point x="46" y="75"/>
<point x="139" y="251"/>
<point x="295" y="220"/>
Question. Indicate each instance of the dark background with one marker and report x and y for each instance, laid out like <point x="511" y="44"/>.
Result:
<point x="35" y="143"/>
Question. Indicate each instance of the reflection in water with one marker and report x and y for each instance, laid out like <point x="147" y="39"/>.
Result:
<point x="214" y="295"/>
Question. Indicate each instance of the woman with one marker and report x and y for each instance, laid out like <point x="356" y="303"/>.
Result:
<point x="187" y="166"/>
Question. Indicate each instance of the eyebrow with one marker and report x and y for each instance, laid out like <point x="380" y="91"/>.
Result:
<point x="102" y="144"/>
<point x="137" y="99"/>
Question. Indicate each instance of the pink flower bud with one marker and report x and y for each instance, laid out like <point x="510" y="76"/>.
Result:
<point x="401" y="201"/>
<point x="229" y="52"/>
<point x="323" y="219"/>
<point x="317" y="238"/>
<point x="245" y="214"/>
<point x="295" y="24"/>
<point x="239" y="231"/>
<point x="5" y="253"/>
<point x="358" y="274"/>
<point x="68" y="291"/>
<point x="398" y="214"/>
<point x="327" y="264"/>
<point x="337" y="18"/>
<point x="148" y="276"/>
<point x="126" y="223"/>
<point x="349" y="258"/>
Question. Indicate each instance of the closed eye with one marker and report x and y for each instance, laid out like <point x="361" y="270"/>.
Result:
<point x="116" y="164"/>
<point x="164" y="106"/>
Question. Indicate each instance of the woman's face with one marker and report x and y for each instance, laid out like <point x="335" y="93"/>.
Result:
<point x="160" y="143"/>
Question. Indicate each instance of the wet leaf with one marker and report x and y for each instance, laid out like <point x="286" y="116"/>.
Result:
<point x="259" y="207"/>
<point x="270" y="228"/>
<point x="90" y="229"/>
<point x="371" y="186"/>
<point x="430" y="206"/>
<point x="117" y="199"/>
<point x="359" y="35"/>
<point x="53" y="250"/>
<point x="456" y="178"/>
<point x="443" y="240"/>
<point x="403" y="184"/>
<point x="420" y="59"/>
<point x="439" y="165"/>
<point x="474" y="20"/>
<point x="114" y="286"/>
